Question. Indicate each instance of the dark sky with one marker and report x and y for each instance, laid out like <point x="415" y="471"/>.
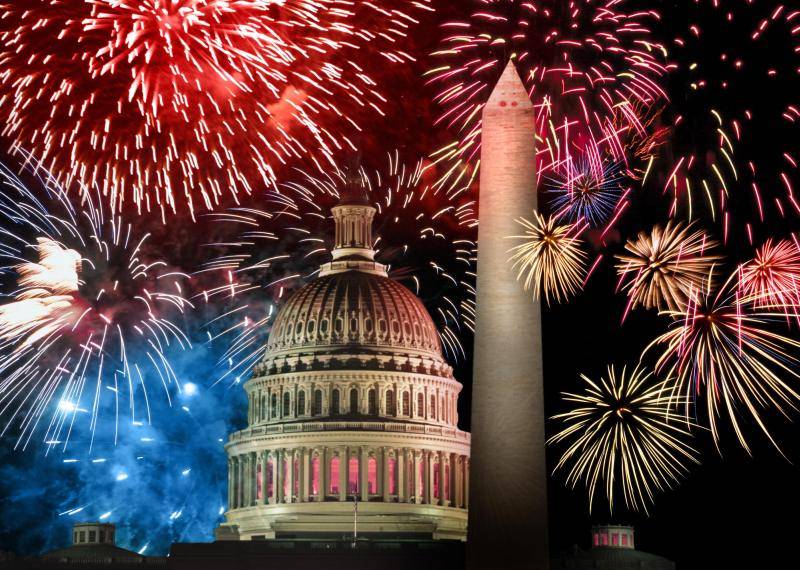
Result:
<point x="732" y="510"/>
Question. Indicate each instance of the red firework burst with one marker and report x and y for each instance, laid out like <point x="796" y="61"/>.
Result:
<point x="588" y="66"/>
<point x="772" y="277"/>
<point x="165" y="102"/>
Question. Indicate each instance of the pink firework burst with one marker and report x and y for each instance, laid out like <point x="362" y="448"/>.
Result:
<point x="772" y="277"/>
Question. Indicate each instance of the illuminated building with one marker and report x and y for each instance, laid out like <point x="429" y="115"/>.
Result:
<point x="353" y="401"/>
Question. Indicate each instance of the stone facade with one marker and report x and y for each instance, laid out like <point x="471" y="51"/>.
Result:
<point x="352" y="402"/>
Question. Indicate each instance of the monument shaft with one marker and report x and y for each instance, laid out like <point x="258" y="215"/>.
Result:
<point x="508" y="503"/>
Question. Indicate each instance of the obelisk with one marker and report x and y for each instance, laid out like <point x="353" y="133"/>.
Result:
<point x="508" y="476"/>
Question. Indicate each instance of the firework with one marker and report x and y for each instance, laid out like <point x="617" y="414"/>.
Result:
<point x="550" y="258"/>
<point x="735" y="126"/>
<point x="620" y="435"/>
<point x="589" y="67"/>
<point x="585" y="190"/>
<point x="424" y="238"/>
<point x="771" y="279"/>
<point x="165" y="102"/>
<point x="721" y="352"/>
<point x="666" y="267"/>
<point x="88" y="315"/>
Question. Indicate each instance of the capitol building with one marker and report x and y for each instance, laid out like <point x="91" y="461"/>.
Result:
<point x="352" y="412"/>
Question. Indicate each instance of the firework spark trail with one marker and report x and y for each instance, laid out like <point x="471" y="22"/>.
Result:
<point x="422" y="235"/>
<point x="90" y="314"/>
<point x="550" y="258"/>
<point x="176" y="103"/>
<point x="728" y="362"/>
<point x="735" y="155"/>
<point x="665" y="266"/>
<point x="589" y="65"/>
<point x="621" y="436"/>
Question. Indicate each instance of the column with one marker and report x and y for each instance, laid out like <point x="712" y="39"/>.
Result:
<point x="323" y="474"/>
<point x="417" y="460"/>
<point x="230" y="483"/>
<point x="280" y="458"/>
<point x="429" y="465"/>
<point x="385" y="474"/>
<point x="444" y="479"/>
<point x="290" y="456"/>
<point x="363" y="474"/>
<point x="402" y="461"/>
<point x="304" y="475"/>
<point x="466" y="476"/>
<point x="344" y="466"/>
<point x="273" y="498"/>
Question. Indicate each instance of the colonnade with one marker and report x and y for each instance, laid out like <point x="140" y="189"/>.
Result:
<point x="342" y="473"/>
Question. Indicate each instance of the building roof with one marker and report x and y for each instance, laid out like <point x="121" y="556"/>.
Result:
<point x="95" y="551"/>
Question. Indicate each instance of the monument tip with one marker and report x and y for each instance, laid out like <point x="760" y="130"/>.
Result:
<point x="510" y="90"/>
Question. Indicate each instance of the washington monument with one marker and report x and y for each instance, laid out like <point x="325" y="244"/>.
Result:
<point x="508" y="517"/>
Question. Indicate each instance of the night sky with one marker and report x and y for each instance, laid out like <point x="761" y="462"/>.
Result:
<point x="166" y="482"/>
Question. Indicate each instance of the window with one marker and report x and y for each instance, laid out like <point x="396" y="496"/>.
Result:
<point x="392" y="476"/>
<point x="285" y="404"/>
<point x="444" y="410"/>
<point x="74" y="537"/>
<point x="433" y="407"/>
<point x="353" y="401"/>
<point x="420" y="405"/>
<point x="373" y="402"/>
<point x="406" y="404"/>
<point x="596" y="539"/>
<point x="263" y="407"/>
<point x="335" y="402"/>
<point x="83" y="536"/>
<point x="334" y="482"/>
<point x="301" y="403"/>
<point x="270" y="481"/>
<point x="316" y="409"/>
<point x="92" y="536"/>
<point x="352" y="476"/>
<point x="604" y="538"/>
<point x="624" y="540"/>
<point x="372" y="476"/>
<point x="615" y="539"/>
<point x="274" y="412"/>
<point x="315" y="476"/>
<point x="259" y="484"/>
<point x="390" y="407"/>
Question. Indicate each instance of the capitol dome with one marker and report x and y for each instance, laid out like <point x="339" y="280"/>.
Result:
<point x="352" y="406"/>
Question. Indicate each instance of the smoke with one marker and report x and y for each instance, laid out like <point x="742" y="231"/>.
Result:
<point x="163" y="482"/>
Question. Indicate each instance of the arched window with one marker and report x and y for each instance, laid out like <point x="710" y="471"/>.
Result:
<point x="316" y="408"/>
<point x="352" y="476"/>
<point x="420" y="405"/>
<point x="301" y="403"/>
<point x="436" y="481"/>
<point x="274" y="411"/>
<point x="270" y="480"/>
<point x="263" y="407"/>
<point x="392" y="468"/>
<point x="334" y="481"/>
<point x="354" y="401"/>
<point x="335" y="402"/>
<point x="446" y="481"/>
<point x="444" y="410"/>
<point x="433" y="407"/>
<point x="285" y="404"/>
<point x="390" y="406"/>
<point x="372" y="476"/>
<point x="406" y="403"/>
<point x="315" y="475"/>
<point x="373" y="402"/>
<point x="259" y="488"/>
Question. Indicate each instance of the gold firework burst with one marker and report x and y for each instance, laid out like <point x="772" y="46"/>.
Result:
<point x="666" y="266"/>
<point x="550" y="259"/>
<point x="620" y="435"/>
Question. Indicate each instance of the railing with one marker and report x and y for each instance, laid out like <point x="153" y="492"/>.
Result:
<point x="348" y="426"/>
